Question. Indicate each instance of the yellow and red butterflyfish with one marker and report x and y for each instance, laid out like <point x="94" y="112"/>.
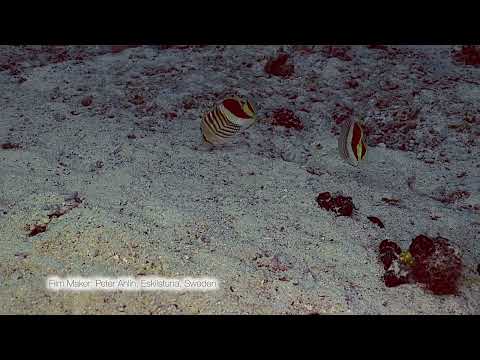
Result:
<point x="226" y="120"/>
<point x="352" y="142"/>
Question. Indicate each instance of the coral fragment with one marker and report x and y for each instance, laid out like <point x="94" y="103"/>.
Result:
<point x="376" y="221"/>
<point x="9" y="145"/>
<point x="279" y="66"/>
<point x="341" y="205"/>
<point x="433" y="263"/>
<point x="286" y="118"/>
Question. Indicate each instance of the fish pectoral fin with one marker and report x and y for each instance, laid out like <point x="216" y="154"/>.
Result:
<point x="204" y="146"/>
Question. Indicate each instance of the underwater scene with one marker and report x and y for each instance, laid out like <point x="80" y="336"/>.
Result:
<point x="240" y="179"/>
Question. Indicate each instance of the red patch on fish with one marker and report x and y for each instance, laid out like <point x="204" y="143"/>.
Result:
<point x="356" y="137"/>
<point x="235" y="108"/>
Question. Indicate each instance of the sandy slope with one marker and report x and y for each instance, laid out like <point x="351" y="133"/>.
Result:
<point x="153" y="203"/>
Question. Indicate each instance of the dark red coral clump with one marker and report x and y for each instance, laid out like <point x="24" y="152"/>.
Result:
<point x="87" y="101"/>
<point x="391" y="201"/>
<point x="436" y="264"/>
<point x="9" y="145"/>
<point x="421" y="246"/>
<point x="453" y="196"/>
<point x="119" y="48"/>
<point x="279" y="66"/>
<point x="468" y="55"/>
<point x="341" y="113"/>
<point x="37" y="229"/>
<point x="392" y="279"/>
<point x="376" y="221"/>
<point x="389" y="251"/>
<point x="340" y="205"/>
<point x="339" y="52"/>
<point x="286" y="118"/>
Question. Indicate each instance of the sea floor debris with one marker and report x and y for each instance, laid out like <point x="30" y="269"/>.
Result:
<point x="432" y="262"/>
<point x="340" y="205"/>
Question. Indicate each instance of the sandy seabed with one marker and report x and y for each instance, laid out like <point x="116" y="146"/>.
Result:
<point x="108" y="142"/>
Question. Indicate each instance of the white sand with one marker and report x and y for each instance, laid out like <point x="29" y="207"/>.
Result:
<point x="245" y="214"/>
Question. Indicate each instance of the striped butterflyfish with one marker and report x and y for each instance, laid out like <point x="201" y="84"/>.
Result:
<point x="352" y="142"/>
<point x="226" y="120"/>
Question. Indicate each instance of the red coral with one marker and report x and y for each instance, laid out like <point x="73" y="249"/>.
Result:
<point x="344" y="205"/>
<point x="454" y="196"/>
<point x="389" y="252"/>
<point x="436" y="265"/>
<point x="391" y="201"/>
<point x="286" y="118"/>
<point x="376" y="221"/>
<point x="188" y="104"/>
<point x="387" y="245"/>
<point x="468" y="55"/>
<point x="399" y="133"/>
<point x="37" y="229"/>
<point x="341" y="53"/>
<point x="87" y="101"/>
<point x="341" y="113"/>
<point x="279" y="66"/>
<point x="77" y="200"/>
<point x="421" y="247"/>
<point x="341" y="205"/>
<point x="392" y="279"/>
<point x="352" y="83"/>
<point x="323" y="196"/>
<point x="170" y="115"/>
<point x="9" y="145"/>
